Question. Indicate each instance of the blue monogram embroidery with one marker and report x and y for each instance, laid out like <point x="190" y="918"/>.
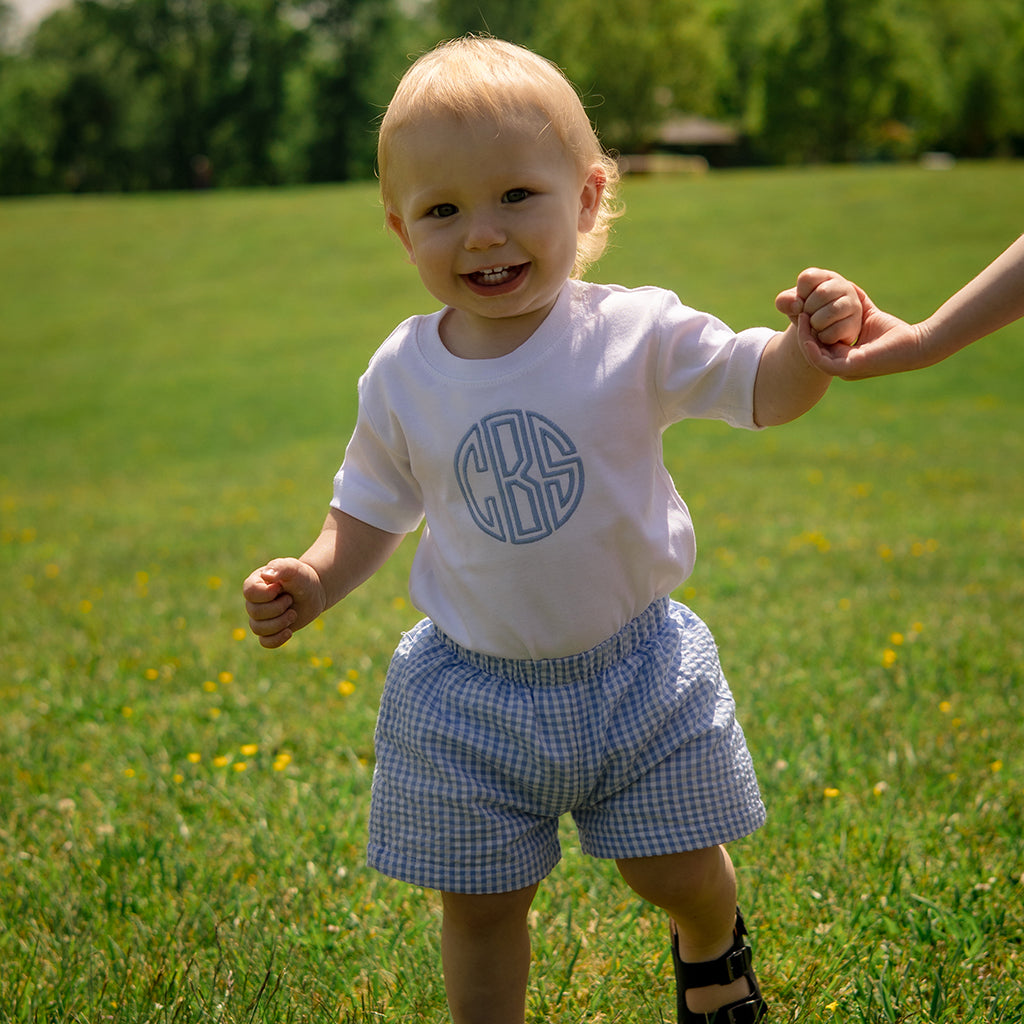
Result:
<point x="521" y="475"/>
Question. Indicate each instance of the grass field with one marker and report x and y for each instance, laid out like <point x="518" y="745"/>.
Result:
<point x="182" y="814"/>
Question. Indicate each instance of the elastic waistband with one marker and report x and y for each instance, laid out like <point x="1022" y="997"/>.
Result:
<point x="574" y="667"/>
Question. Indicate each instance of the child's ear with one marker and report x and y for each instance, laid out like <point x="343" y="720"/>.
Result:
<point x="396" y="224"/>
<point x="590" y="198"/>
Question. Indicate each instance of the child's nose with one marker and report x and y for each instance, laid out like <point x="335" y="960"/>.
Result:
<point x="484" y="232"/>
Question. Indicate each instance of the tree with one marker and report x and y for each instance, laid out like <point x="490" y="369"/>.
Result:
<point x="7" y="15"/>
<point x="832" y="73"/>
<point x="853" y="79"/>
<point x="982" y="43"/>
<point x="212" y="86"/>
<point x="356" y="54"/>
<point x="517" y="22"/>
<point x="83" y="82"/>
<point x="142" y="93"/>
<point x="650" y="57"/>
<point x="27" y="127"/>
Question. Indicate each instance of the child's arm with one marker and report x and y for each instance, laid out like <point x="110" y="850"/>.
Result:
<point x="287" y="594"/>
<point x="992" y="300"/>
<point x="825" y="310"/>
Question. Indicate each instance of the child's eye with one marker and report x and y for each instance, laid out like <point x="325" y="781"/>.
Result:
<point x="516" y="195"/>
<point x="443" y="210"/>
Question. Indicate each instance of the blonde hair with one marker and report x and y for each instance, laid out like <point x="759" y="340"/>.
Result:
<point x="479" y="77"/>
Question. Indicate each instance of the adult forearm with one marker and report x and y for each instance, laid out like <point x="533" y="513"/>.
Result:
<point x="990" y="301"/>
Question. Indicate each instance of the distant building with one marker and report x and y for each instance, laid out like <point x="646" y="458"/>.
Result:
<point x="687" y="144"/>
<point x="690" y="135"/>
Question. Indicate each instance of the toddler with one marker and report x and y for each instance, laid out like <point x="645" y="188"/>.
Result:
<point x="523" y="420"/>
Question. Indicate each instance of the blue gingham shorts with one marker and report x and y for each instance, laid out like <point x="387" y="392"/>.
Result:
<point x="478" y="757"/>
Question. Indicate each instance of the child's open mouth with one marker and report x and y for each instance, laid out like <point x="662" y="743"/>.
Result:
<point x="495" y="280"/>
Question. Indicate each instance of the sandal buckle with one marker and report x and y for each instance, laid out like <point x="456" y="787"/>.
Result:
<point x="748" y="1012"/>
<point x="736" y="963"/>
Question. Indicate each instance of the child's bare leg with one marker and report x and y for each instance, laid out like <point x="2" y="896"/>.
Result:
<point x="485" y="948"/>
<point x="698" y="889"/>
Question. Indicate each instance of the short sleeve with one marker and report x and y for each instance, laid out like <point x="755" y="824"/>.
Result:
<point x="706" y="370"/>
<point x="374" y="483"/>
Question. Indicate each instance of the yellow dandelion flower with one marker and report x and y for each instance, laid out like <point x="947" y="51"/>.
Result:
<point x="832" y="1007"/>
<point x="142" y="577"/>
<point x="85" y="606"/>
<point x="210" y="686"/>
<point x="896" y="639"/>
<point x="52" y="571"/>
<point x="831" y="793"/>
<point x="250" y="749"/>
<point x="352" y="674"/>
<point x="889" y="658"/>
<point x="398" y="603"/>
<point x="238" y="633"/>
<point x="239" y="766"/>
<point x="129" y="773"/>
<point x="880" y="787"/>
<point x="346" y="687"/>
<point x="945" y="707"/>
<point x="885" y="552"/>
<point x="127" y="712"/>
<point x="996" y="766"/>
<point x="193" y="757"/>
<point x="225" y="677"/>
<point x="282" y="761"/>
<point x="215" y="583"/>
<point x="221" y="761"/>
<point x="214" y="712"/>
<point x="956" y="722"/>
<point x="177" y="778"/>
<point x="845" y="604"/>
<point x="152" y="673"/>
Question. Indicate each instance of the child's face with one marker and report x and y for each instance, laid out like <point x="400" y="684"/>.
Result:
<point x="490" y="218"/>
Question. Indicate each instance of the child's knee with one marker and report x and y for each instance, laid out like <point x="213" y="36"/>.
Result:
<point x="487" y="911"/>
<point x="679" y="879"/>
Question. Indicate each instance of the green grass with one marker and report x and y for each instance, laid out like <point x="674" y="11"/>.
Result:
<point x="182" y="814"/>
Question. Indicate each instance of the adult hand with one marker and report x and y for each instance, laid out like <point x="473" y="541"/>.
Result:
<point x="886" y="345"/>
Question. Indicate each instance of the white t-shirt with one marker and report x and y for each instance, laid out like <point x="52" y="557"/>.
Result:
<point x="551" y="520"/>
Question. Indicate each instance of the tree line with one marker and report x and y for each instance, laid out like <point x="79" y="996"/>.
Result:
<point x="108" y="95"/>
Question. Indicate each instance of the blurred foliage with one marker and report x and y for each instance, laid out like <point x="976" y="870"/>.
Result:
<point x="154" y="94"/>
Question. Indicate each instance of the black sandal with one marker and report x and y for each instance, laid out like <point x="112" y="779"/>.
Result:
<point x="733" y="964"/>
